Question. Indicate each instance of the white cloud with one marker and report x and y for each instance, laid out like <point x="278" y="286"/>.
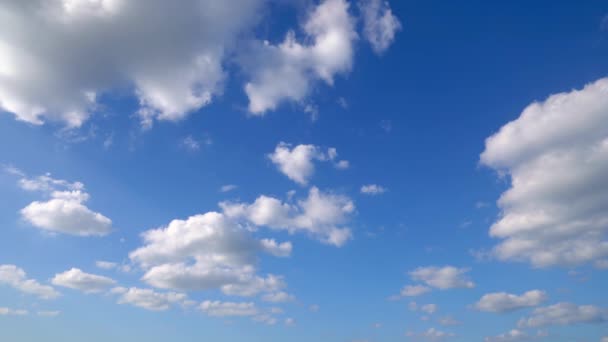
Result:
<point x="207" y="251"/>
<point x="228" y="309"/>
<point x="556" y="154"/>
<point x="321" y="215"/>
<point x="278" y="297"/>
<point x="429" y="308"/>
<point x="65" y="211"/>
<point x="97" y="46"/>
<point x="414" y="290"/>
<point x="564" y="314"/>
<point x="431" y="334"/>
<point x="149" y="299"/>
<point x="48" y="313"/>
<point x="290" y="322"/>
<point x="190" y="143"/>
<point x="297" y="163"/>
<point x="287" y="71"/>
<point x="443" y="278"/>
<point x="228" y="188"/>
<point x="380" y="25"/>
<point x="85" y="282"/>
<point x="449" y="321"/>
<point x="12" y="312"/>
<point x="373" y="189"/>
<point x="510" y="336"/>
<point x="506" y="302"/>
<point x="16" y="278"/>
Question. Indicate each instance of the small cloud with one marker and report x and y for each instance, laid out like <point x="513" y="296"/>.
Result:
<point x="386" y="125"/>
<point x="466" y="224"/>
<point x="373" y="189"/>
<point x="48" y="313"/>
<point x="190" y="143"/>
<point x="313" y="111"/>
<point x="343" y="103"/>
<point x="481" y="204"/>
<point x="228" y="187"/>
<point x="604" y="24"/>
<point x="314" y="308"/>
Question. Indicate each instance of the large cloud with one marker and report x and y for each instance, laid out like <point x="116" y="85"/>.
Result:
<point x="16" y="278"/>
<point x="59" y="58"/>
<point x="564" y="314"/>
<point x="556" y="154"/>
<point x="205" y="252"/>
<point x="321" y="215"/>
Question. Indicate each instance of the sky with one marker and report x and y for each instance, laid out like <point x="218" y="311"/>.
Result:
<point x="303" y="170"/>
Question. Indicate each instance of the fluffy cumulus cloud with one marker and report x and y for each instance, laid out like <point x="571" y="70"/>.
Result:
<point x="556" y="155"/>
<point x="564" y="314"/>
<point x="16" y="278"/>
<point x="92" y="48"/>
<point x="321" y="214"/>
<point x="431" y="334"/>
<point x="204" y="252"/>
<point x="149" y="299"/>
<point x="380" y="25"/>
<point x="506" y="302"/>
<point x="65" y="212"/>
<point x="443" y="278"/>
<point x="85" y="282"/>
<point x="297" y="163"/>
<point x="287" y="71"/>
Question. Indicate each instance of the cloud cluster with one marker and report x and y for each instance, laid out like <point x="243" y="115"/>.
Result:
<point x="321" y="215"/>
<point x="206" y="252"/>
<point x="505" y="302"/>
<point x="442" y="278"/>
<point x="564" y="314"/>
<point x="297" y="163"/>
<point x="556" y="155"/>
<point x="16" y="278"/>
<point x="90" y="49"/>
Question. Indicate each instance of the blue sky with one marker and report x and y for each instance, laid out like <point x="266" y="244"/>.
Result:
<point x="303" y="170"/>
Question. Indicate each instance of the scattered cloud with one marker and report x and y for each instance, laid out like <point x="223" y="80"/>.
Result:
<point x="449" y="321"/>
<point x="288" y="70"/>
<point x="149" y="299"/>
<point x="228" y="188"/>
<point x="443" y="278"/>
<point x="85" y="282"/>
<point x="379" y="24"/>
<point x="556" y="155"/>
<point x="48" y="313"/>
<point x="16" y="278"/>
<point x="386" y="125"/>
<point x="501" y="302"/>
<point x="12" y="312"/>
<point x="431" y="334"/>
<point x="278" y="297"/>
<point x="429" y="308"/>
<point x="297" y="163"/>
<point x="414" y="290"/>
<point x="373" y="189"/>
<point x="564" y="314"/>
<point x="321" y="215"/>
<point x="510" y="336"/>
<point x="190" y="143"/>
<point x="229" y="309"/>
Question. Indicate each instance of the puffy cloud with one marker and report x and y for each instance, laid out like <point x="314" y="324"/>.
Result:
<point x="65" y="211"/>
<point x="506" y="302"/>
<point x="278" y="297"/>
<point x="149" y="299"/>
<point x="512" y="335"/>
<point x="16" y="278"/>
<point x="98" y="46"/>
<point x="85" y="282"/>
<point x="564" y="314"/>
<point x="379" y="24"/>
<point x="228" y="309"/>
<point x="414" y="290"/>
<point x="373" y="189"/>
<point x="298" y="163"/>
<point x="13" y="312"/>
<point x="321" y="215"/>
<point x="443" y="278"/>
<point x="288" y="70"/>
<point x="556" y="154"/>
<point x="206" y="252"/>
<point x="431" y="334"/>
